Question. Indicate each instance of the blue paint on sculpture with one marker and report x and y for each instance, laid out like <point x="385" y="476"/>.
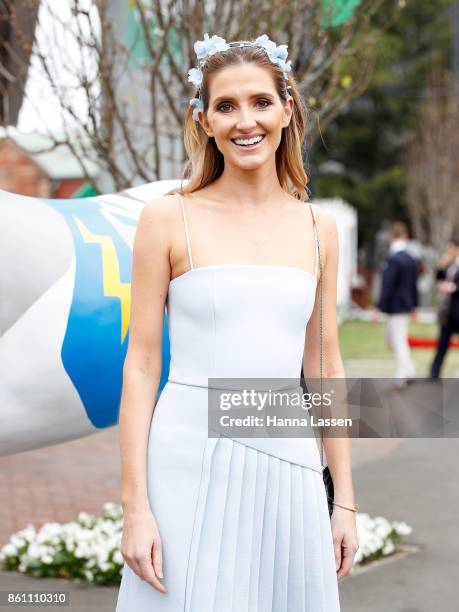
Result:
<point x="96" y="339"/>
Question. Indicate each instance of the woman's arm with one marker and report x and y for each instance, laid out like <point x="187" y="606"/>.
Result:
<point x="337" y="450"/>
<point x="141" y="376"/>
<point x="142" y="366"/>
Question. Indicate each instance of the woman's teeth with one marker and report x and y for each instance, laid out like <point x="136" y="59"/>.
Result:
<point x="247" y="142"/>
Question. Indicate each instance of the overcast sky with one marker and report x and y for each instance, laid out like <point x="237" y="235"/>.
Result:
<point x="52" y="37"/>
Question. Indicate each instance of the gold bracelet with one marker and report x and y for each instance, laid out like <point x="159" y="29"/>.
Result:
<point x="354" y="508"/>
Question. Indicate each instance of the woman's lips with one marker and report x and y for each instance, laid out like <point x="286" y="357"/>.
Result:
<point x="249" y="147"/>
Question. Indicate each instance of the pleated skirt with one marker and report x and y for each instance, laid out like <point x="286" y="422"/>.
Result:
<point x="242" y="530"/>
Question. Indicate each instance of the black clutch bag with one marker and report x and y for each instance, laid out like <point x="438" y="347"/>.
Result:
<point x="328" y="481"/>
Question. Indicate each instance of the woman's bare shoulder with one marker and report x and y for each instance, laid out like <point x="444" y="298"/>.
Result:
<point x="157" y="224"/>
<point x="325" y="219"/>
<point x="162" y="209"/>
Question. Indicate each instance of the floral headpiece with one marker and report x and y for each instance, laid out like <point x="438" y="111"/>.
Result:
<point x="204" y="48"/>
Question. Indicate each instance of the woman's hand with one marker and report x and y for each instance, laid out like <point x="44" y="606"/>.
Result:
<point x="141" y="547"/>
<point x="345" y="540"/>
<point x="446" y="287"/>
<point x="447" y="258"/>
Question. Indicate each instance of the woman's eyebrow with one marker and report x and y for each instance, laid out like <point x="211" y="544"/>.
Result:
<point x="232" y="98"/>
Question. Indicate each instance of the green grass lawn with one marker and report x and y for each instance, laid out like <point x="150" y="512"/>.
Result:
<point x="366" y="340"/>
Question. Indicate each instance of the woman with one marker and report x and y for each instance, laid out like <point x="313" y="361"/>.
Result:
<point x="214" y="523"/>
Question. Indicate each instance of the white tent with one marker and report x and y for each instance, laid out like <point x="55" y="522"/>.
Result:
<point x="346" y="221"/>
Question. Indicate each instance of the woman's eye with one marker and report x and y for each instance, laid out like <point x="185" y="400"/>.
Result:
<point x="222" y="105"/>
<point x="265" y="104"/>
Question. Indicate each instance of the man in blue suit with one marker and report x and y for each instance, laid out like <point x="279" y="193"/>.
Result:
<point x="398" y="299"/>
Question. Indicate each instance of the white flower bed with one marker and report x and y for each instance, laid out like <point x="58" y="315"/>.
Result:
<point x="88" y="549"/>
<point x="377" y="537"/>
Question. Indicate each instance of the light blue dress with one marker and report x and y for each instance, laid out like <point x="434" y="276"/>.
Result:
<point x="244" y="522"/>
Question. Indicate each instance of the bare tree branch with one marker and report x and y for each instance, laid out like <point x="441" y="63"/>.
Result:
<point x="134" y="103"/>
<point x="431" y="161"/>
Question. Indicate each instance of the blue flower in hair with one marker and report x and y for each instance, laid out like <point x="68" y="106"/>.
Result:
<point x="195" y="76"/>
<point x="285" y="66"/>
<point x="277" y="54"/>
<point x="280" y="53"/>
<point x="198" y="105"/>
<point x="268" y="45"/>
<point x="209" y="46"/>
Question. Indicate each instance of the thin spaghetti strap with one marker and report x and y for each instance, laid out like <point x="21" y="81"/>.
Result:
<point x="186" y="230"/>
<point x="316" y="238"/>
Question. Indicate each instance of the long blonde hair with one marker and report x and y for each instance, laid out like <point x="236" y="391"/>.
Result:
<point x="205" y="162"/>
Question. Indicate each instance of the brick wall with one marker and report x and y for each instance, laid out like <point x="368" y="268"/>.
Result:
<point x="20" y="174"/>
<point x="64" y="189"/>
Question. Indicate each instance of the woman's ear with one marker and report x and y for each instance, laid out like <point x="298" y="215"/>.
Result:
<point x="205" y="124"/>
<point x="288" y="111"/>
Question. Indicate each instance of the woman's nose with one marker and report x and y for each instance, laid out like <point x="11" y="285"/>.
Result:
<point x="246" y="118"/>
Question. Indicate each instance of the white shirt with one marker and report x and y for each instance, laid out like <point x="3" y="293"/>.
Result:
<point x="398" y="245"/>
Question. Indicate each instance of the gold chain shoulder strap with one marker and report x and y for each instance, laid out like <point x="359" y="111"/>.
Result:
<point x="319" y="255"/>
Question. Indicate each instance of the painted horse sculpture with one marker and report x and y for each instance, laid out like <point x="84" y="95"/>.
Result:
<point x="65" y="284"/>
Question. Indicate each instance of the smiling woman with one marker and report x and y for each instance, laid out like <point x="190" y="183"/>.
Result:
<point x="265" y="93"/>
<point x="232" y="523"/>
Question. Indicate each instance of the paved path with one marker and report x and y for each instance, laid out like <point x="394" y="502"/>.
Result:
<point x="416" y="483"/>
<point x="57" y="482"/>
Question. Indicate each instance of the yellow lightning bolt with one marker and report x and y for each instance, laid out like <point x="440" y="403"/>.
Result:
<point x="113" y="287"/>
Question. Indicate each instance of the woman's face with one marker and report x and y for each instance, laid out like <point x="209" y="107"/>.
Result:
<point x="244" y="104"/>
